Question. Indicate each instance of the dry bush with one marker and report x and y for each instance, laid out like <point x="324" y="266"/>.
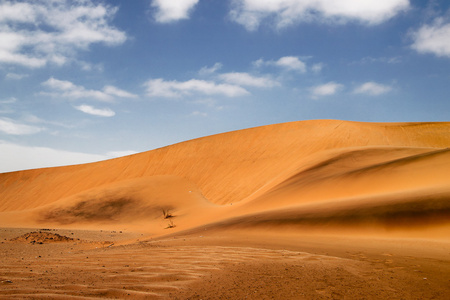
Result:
<point x="167" y="214"/>
<point x="170" y="225"/>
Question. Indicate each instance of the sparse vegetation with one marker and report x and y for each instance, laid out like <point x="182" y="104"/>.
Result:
<point x="170" y="225"/>
<point x="167" y="214"/>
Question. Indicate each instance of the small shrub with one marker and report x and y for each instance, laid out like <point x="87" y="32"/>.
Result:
<point x="167" y="214"/>
<point x="170" y="225"/>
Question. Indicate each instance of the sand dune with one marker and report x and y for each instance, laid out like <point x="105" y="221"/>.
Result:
<point x="319" y="178"/>
<point x="259" y="169"/>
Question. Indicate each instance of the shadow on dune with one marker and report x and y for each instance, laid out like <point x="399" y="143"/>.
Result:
<point x="102" y="209"/>
<point x="414" y="212"/>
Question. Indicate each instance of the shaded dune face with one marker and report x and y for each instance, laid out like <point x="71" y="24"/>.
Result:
<point x="405" y="212"/>
<point x="146" y="200"/>
<point x="309" y="172"/>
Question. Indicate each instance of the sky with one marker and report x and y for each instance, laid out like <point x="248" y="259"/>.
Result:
<point x="83" y="80"/>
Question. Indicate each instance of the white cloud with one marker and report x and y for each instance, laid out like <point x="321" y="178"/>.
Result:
<point x="5" y="108"/>
<point x="66" y="89"/>
<point x="30" y="118"/>
<point x="326" y="89"/>
<point x="283" y="13"/>
<point x="173" y="10"/>
<point x="259" y="63"/>
<point x="372" y="88"/>
<point x="35" y="33"/>
<point x="12" y="127"/>
<point x="101" y="112"/>
<point x="207" y="71"/>
<point x="113" y="91"/>
<point x="317" y="68"/>
<point x="61" y="85"/>
<point x="211" y="102"/>
<point x="245" y="79"/>
<point x="388" y="60"/>
<point x="433" y="38"/>
<point x="171" y="89"/>
<point x="15" y="76"/>
<point x="290" y="63"/>
<point x="8" y="101"/>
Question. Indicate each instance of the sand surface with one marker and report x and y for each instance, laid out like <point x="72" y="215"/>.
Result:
<point x="223" y="265"/>
<point x="320" y="209"/>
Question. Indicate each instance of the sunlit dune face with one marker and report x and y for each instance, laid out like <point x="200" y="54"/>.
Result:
<point x="323" y="172"/>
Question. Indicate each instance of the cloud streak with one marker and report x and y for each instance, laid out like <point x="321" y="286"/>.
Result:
<point x="288" y="63"/>
<point x="101" y="112"/>
<point x="174" y="89"/>
<point x="245" y="79"/>
<point x="113" y="91"/>
<point x="211" y="70"/>
<point x="67" y="89"/>
<point x="9" y="100"/>
<point x="15" y="76"/>
<point x="284" y="13"/>
<point x="230" y="84"/>
<point x="12" y="127"/>
<point x="372" y="88"/>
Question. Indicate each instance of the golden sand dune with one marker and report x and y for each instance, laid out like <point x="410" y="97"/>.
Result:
<point x="298" y="167"/>
<point x="305" y="210"/>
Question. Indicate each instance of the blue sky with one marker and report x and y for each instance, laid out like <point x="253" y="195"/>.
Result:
<point x="85" y="80"/>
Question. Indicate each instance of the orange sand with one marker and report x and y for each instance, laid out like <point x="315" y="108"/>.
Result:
<point x="351" y="203"/>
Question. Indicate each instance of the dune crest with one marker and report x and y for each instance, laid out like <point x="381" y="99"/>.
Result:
<point x="271" y="173"/>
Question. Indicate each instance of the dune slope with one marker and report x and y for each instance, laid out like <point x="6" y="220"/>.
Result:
<point x="321" y="171"/>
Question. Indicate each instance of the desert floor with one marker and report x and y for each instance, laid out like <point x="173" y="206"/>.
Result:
<point x="320" y="209"/>
<point x="221" y="264"/>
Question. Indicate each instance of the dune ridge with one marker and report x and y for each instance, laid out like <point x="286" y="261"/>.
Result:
<point x="270" y="172"/>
